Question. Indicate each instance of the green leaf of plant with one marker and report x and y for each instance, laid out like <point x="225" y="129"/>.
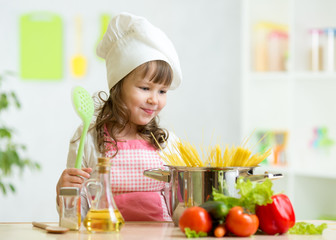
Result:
<point x="10" y="152"/>
<point x="5" y="133"/>
<point x="16" y="100"/>
<point x="6" y="164"/>
<point x="37" y="166"/>
<point x="3" y="188"/>
<point x="12" y="188"/>
<point x="3" y="102"/>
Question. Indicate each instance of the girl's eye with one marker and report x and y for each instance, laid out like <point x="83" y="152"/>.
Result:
<point x="163" y="91"/>
<point x="144" y="88"/>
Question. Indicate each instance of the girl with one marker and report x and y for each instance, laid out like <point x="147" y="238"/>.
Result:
<point x="142" y="65"/>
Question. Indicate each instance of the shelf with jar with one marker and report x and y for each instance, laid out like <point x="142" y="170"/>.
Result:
<point x="289" y="67"/>
<point x="288" y="85"/>
<point x="282" y="36"/>
<point x="273" y="52"/>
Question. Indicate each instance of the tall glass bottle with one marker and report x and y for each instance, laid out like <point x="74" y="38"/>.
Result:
<point x="103" y="215"/>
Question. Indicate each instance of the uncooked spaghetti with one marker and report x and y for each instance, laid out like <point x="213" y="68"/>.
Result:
<point x="182" y="153"/>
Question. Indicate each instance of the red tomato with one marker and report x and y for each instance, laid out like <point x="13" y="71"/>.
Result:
<point x="197" y="219"/>
<point x="240" y="223"/>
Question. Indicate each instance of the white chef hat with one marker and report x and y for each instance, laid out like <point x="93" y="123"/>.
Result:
<point x="130" y="41"/>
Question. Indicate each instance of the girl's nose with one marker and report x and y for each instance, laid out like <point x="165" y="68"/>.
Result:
<point x="152" y="99"/>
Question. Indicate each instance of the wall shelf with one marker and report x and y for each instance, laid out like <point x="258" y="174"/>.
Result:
<point x="296" y="100"/>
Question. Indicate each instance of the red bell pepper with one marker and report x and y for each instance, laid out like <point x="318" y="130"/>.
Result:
<point x="276" y="217"/>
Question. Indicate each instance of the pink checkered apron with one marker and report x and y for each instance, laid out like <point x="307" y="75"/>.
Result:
<point x="138" y="198"/>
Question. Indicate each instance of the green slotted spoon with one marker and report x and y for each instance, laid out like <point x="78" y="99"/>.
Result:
<point x="83" y="104"/>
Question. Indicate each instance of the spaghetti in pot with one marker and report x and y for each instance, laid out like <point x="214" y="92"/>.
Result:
<point x="183" y="153"/>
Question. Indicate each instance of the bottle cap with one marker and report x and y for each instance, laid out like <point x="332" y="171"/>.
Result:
<point x="103" y="165"/>
<point x="104" y="160"/>
<point x="69" y="191"/>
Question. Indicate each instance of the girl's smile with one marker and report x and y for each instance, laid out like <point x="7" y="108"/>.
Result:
<point x="149" y="111"/>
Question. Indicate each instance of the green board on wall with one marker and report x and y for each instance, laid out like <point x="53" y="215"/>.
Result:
<point x="41" y="46"/>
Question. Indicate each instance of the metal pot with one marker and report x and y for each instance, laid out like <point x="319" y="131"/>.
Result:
<point x="192" y="186"/>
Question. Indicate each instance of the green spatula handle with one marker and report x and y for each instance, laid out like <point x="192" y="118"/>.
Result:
<point x="79" y="157"/>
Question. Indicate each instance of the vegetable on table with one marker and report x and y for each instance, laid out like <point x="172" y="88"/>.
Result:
<point x="276" y="217"/>
<point x="305" y="228"/>
<point x="257" y="207"/>
<point x="197" y="219"/>
<point x="193" y="234"/>
<point x="251" y="194"/>
<point x="220" y="230"/>
<point x="217" y="209"/>
<point x="241" y="223"/>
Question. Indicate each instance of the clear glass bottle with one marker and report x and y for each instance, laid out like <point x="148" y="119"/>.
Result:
<point x="330" y="53"/>
<point x="103" y="215"/>
<point x="70" y="208"/>
<point x="316" y="50"/>
<point x="277" y="50"/>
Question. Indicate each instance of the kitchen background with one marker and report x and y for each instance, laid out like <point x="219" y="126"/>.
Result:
<point x="246" y="70"/>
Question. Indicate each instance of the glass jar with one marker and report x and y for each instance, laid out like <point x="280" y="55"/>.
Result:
<point x="330" y="49"/>
<point x="277" y="50"/>
<point x="316" y="50"/>
<point x="70" y="208"/>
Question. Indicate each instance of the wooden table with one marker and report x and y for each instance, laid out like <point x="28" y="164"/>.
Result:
<point x="136" y="231"/>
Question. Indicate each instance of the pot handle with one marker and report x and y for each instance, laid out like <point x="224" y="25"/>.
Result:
<point x="157" y="174"/>
<point x="263" y="177"/>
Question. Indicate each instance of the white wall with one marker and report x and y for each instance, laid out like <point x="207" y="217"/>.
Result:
<point x="206" y="36"/>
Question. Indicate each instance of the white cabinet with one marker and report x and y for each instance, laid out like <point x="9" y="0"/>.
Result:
<point x="294" y="98"/>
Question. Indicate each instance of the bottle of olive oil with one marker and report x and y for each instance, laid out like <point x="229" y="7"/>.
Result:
<point x="103" y="221"/>
<point x="103" y="215"/>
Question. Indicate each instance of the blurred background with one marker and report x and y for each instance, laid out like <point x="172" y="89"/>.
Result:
<point x="207" y="39"/>
<point x="250" y="67"/>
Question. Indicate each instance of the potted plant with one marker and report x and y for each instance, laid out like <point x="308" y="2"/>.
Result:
<point x="11" y="153"/>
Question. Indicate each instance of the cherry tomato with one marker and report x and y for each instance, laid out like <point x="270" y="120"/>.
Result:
<point x="240" y="223"/>
<point x="197" y="219"/>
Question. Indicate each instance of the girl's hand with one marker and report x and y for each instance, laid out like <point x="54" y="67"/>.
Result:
<point x="72" y="177"/>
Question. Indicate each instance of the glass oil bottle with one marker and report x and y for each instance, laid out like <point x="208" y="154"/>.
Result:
<point x="103" y="215"/>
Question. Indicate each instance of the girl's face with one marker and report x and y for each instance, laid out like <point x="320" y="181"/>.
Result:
<point x="143" y="98"/>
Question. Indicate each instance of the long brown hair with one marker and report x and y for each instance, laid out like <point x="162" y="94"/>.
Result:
<point x="113" y="112"/>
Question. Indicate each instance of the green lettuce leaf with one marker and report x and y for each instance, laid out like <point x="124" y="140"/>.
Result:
<point x="251" y="194"/>
<point x="193" y="234"/>
<point x="304" y="228"/>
